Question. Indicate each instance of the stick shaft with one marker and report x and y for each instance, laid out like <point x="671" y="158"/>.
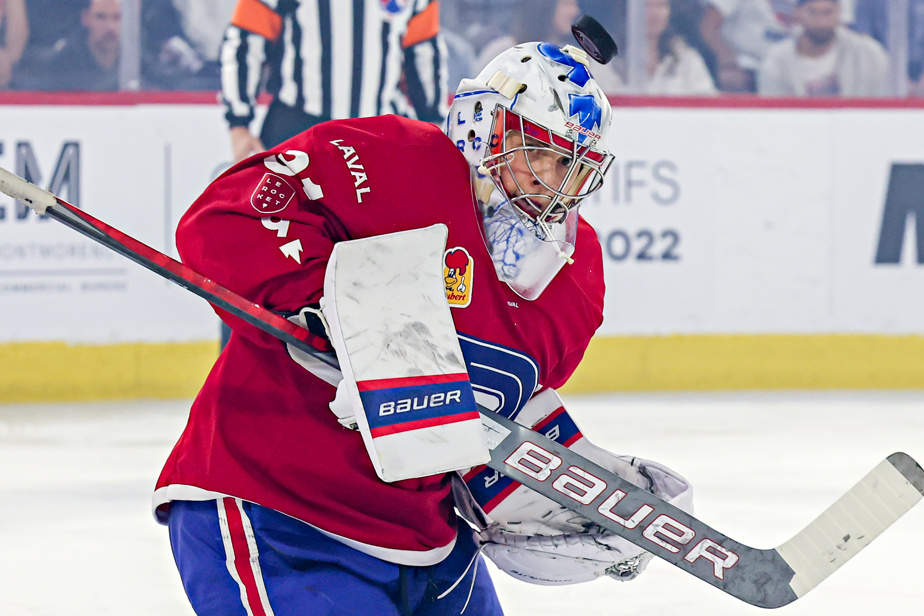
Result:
<point x="173" y="270"/>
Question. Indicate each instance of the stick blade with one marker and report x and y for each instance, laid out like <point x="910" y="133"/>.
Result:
<point x="907" y="466"/>
<point x="887" y="493"/>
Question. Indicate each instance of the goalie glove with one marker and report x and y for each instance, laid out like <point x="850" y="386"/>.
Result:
<point x="533" y="538"/>
<point x="310" y="318"/>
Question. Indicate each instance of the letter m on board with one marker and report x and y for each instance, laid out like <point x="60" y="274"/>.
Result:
<point x="64" y="180"/>
<point x="904" y="200"/>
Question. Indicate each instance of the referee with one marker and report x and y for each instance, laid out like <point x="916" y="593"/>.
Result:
<point x="330" y="59"/>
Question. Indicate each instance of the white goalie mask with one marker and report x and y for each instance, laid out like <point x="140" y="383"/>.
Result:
<point x="533" y="126"/>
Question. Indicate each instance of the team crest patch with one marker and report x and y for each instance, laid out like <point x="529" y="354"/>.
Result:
<point x="457" y="274"/>
<point x="272" y="195"/>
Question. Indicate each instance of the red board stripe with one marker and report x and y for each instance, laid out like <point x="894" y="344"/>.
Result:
<point x="211" y="98"/>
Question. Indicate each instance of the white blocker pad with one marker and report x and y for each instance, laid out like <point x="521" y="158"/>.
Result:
<point x="385" y="303"/>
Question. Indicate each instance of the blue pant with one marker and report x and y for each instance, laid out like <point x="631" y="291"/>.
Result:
<point x="240" y="559"/>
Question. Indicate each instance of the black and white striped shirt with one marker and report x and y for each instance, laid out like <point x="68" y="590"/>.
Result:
<point x="336" y="58"/>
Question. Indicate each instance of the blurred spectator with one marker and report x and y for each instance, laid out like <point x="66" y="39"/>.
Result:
<point x="479" y="21"/>
<point x="171" y="58"/>
<point x="535" y="20"/>
<point x="872" y="17"/>
<point x="740" y="32"/>
<point x="825" y="58"/>
<point x="674" y="68"/>
<point x="87" y="59"/>
<point x="14" y="32"/>
<point x="460" y="56"/>
<point x="686" y="16"/>
<point x="51" y="22"/>
<point x="785" y="12"/>
<point x="203" y="23"/>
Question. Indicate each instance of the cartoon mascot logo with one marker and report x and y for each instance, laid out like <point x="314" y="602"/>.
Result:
<point x="457" y="274"/>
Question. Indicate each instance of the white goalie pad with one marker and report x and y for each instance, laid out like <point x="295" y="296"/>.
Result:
<point x="403" y="371"/>
<point x="533" y="538"/>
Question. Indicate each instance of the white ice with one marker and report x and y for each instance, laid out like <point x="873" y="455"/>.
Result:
<point x="77" y="537"/>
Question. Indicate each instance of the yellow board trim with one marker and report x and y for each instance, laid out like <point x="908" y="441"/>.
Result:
<point x="61" y="372"/>
<point x="750" y="362"/>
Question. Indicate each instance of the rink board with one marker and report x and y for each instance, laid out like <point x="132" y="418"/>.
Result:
<point x="49" y="371"/>
<point x="744" y="247"/>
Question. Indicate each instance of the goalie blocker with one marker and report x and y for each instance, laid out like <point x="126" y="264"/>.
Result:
<point x="404" y="377"/>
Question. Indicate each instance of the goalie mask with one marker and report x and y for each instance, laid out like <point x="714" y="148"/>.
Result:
<point x="533" y="126"/>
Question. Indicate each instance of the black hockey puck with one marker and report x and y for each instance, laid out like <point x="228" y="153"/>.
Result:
<point x="594" y="39"/>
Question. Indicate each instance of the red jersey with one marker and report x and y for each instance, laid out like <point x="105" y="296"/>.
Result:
<point x="260" y="428"/>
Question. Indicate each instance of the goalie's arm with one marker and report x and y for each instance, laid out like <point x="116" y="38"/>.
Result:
<point x="266" y="228"/>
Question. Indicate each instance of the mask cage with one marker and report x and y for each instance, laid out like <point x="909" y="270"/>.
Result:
<point x="583" y="168"/>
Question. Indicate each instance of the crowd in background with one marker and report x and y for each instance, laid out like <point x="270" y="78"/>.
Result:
<point x="77" y="44"/>
<point x="689" y="48"/>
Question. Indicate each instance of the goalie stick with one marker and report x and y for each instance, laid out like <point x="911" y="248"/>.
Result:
<point x="767" y="578"/>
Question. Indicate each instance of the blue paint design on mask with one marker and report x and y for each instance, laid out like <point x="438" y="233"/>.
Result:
<point x="584" y="107"/>
<point x="578" y="73"/>
<point x="588" y="111"/>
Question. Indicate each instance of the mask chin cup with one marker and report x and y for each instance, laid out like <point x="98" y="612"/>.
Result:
<point x="526" y="254"/>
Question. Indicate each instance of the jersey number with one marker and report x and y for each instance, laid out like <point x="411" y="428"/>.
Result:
<point x="291" y="164"/>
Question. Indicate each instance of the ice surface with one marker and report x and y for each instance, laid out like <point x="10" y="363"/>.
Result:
<point x="77" y="537"/>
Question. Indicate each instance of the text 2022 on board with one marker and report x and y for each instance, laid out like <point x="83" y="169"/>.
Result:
<point x="641" y="245"/>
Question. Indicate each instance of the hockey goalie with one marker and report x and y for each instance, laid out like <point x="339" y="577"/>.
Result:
<point x="275" y="504"/>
